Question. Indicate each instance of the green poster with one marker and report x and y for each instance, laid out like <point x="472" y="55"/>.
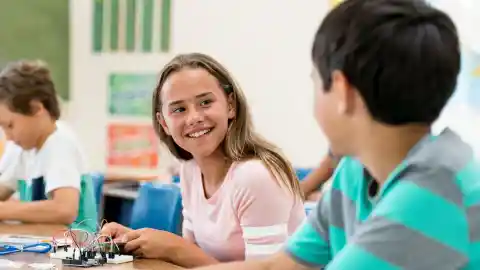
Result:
<point x="131" y="94"/>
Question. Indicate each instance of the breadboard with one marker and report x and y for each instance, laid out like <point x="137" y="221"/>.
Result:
<point x="62" y="254"/>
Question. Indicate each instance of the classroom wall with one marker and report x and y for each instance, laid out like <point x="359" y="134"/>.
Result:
<point x="265" y="44"/>
<point x="462" y="113"/>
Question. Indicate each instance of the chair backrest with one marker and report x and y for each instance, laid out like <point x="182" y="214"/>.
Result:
<point x="158" y="207"/>
<point x="98" y="179"/>
<point x="302" y="172"/>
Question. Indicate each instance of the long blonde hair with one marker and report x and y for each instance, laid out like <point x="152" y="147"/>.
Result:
<point x="241" y="141"/>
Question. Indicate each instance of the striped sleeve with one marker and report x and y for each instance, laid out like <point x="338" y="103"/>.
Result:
<point x="473" y="213"/>
<point x="309" y="245"/>
<point x="469" y="178"/>
<point x="419" y="224"/>
<point x="263" y="209"/>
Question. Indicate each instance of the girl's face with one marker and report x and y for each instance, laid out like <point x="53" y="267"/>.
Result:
<point x="195" y="111"/>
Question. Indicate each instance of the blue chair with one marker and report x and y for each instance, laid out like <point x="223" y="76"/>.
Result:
<point x="302" y="172"/>
<point x="158" y="207"/>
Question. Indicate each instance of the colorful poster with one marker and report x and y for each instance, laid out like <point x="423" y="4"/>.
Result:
<point x="131" y="94"/>
<point x="132" y="146"/>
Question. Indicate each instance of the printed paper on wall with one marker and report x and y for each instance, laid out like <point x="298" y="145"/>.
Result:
<point x="132" y="146"/>
<point x="131" y="94"/>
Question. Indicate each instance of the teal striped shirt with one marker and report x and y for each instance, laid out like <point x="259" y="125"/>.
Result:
<point x="425" y="216"/>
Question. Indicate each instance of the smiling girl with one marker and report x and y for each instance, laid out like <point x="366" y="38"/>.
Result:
<point x="241" y="196"/>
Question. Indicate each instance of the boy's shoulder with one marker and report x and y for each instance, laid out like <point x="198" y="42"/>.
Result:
<point x="62" y="146"/>
<point x="446" y="150"/>
<point x="445" y="164"/>
<point x="63" y="139"/>
<point x="348" y="176"/>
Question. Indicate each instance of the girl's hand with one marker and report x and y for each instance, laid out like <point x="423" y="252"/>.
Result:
<point x="149" y="243"/>
<point x="115" y="230"/>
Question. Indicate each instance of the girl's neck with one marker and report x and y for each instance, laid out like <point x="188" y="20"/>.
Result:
<point x="214" y="168"/>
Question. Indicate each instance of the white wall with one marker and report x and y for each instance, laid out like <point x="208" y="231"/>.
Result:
<point x="461" y="114"/>
<point x="266" y="44"/>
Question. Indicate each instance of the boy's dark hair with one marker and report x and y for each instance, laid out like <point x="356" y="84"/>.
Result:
<point x="24" y="81"/>
<point x="403" y="56"/>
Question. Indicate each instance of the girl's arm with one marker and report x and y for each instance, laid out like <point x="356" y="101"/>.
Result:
<point x="186" y="253"/>
<point x="166" y="246"/>
<point x="319" y="175"/>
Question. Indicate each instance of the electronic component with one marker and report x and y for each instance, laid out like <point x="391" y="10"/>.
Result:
<point x="89" y="258"/>
<point x="89" y="249"/>
<point x="119" y="248"/>
<point x="81" y="263"/>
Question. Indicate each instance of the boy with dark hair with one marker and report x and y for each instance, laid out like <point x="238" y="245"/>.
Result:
<point x="49" y="171"/>
<point x="401" y="198"/>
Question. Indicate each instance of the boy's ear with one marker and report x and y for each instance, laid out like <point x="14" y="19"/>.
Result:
<point x="343" y="92"/>
<point x="162" y="123"/>
<point x="232" y="108"/>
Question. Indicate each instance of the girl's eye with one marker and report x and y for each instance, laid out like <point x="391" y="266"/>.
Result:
<point x="205" y="102"/>
<point x="178" y="110"/>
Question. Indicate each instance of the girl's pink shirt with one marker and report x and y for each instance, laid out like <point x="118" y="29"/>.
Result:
<point x="250" y="215"/>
